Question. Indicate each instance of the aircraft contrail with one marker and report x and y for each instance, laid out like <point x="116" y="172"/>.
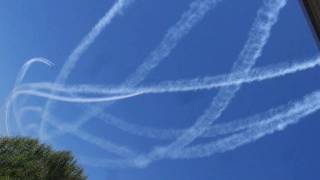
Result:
<point x="257" y="74"/>
<point x="116" y="9"/>
<point x="196" y="12"/>
<point x="101" y="143"/>
<point x="198" y="9"/>
<point x="258" y="36"/>
<point x="108" y="146"/>
<point x="213" y="131"/>
<point x="28" y="109"/>
<point x="206" y="83"/>
<point x="277" y="122"/>
<point x="21" y="75"/>
<point x="239" y="132"/>
<point x="71" y="98"/>
<point x="273" y="120"/>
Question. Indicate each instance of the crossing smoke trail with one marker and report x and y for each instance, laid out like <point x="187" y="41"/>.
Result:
<point x="168" y="134"/>
<point x="258" y="36"/>
<point x="242" y="132"/>
<point x="117" y="8"/>
<point x="103" y="144"/>
<point x="196" y="12"/>
<point x="21" y="75"/>
<point x="269" y="122"/>
<point x="29" y="109"/>
<point x="198" y="9"/>
<point x="213" y="131"/>
<point x="207" y="83"/>
<point x="257" y="74"/>
<point x="277" y="122"/>
<point x="255" y="43"/>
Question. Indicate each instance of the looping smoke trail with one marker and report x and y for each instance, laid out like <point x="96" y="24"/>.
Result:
<point x="207" y="83"/>
<point x="258" y="36"/>
<point x="116" y="9"/>
<point x="26" y="66"/>
<point x="21" y="75"/>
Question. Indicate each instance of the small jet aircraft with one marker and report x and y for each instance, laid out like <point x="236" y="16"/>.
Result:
<point x="312" y="11"/>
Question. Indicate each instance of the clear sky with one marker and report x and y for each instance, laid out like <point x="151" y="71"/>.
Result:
<point x="52" y="29"/>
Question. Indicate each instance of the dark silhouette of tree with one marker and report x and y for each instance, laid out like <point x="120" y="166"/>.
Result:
<point x="24" y="158"/>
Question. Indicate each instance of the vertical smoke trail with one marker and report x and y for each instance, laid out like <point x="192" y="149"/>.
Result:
<point x="21" y="75"/>
<point x="258" y="36"/>
<point x="275" y="122"/>
<point x="198" y="9"/>
<point x="116" y="9"/>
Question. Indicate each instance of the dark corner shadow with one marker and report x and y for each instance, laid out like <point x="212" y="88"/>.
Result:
<point x="311" y="9"/>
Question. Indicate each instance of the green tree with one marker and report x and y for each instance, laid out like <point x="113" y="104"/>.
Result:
<point x="24" y="158"/>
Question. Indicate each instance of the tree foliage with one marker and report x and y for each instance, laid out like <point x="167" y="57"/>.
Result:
<point x="24" y="158"/>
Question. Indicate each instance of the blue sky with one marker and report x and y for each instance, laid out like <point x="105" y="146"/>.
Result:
<point x="52" y="29"/>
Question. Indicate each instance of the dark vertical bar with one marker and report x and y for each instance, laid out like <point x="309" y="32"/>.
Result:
<point x="312" y="9"/>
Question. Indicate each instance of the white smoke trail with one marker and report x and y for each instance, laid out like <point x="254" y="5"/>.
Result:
<point x="150" y="132"/>
<point x="103" y="144"/>
<point x="121" y="151"/>
<point x="257" y="40"/>
<point x="276" y="122"/>
<point x="257" y="74"/>
<point x="196" y="12"/>
<point x="206" y="83"/>
<point x="117" y="8"/>
<point x="276" y="119"/>
<point x="258" y="36"/>
<point x="198" y="9"/>
<point x="21" y="75"/>
<point x="26" y="66"/>
<point x="29" y="109"/>
<point x="71" y="98"/>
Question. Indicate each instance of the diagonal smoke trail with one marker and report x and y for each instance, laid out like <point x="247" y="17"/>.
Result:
<point x="196" y="12"/>
<point x="73" y="58"/>
<point x="258" y="36"/>
<point x="108" y="146"/>
<point x="275" y="122"/>
<point x="198" y="9"/>
<point x="276" y="119"/>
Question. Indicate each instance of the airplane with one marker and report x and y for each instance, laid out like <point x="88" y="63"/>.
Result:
<point x="312" y="11"/>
